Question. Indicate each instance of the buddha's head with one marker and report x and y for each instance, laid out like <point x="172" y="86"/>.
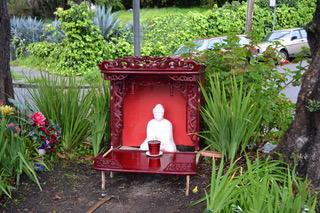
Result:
<point x="158" y="112"/>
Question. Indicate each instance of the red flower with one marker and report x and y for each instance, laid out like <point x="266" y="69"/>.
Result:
<point x="53" y="137"/>
<point x="11" y="125"/>
<point x="44" y="130"/>
<point x="38" y="118"/>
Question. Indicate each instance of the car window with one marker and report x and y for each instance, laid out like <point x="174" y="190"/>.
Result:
<point x="212" y="42"/>
<point x="296" y="33"/>
<point x="276" y="35"/>
<point x="201" y="44"/>
<point x="303" y="33"/>
<point x="244" y="41"/>
<point x="184" y="49"/>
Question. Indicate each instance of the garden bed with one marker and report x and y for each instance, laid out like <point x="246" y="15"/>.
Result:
<point x="75" y="187"/>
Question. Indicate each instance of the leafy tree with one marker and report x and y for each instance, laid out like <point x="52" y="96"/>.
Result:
<point x="6" y="88"/>
<point x="302" y="140"/>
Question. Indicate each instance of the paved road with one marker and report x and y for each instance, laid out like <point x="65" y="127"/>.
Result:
<point x="19" y="85"/>
<point x="291" y="91"/>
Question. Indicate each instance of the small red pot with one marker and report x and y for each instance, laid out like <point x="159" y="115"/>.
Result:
<point x="154" y="147"/>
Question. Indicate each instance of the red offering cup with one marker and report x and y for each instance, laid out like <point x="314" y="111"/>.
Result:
<point x="154" y="147"/>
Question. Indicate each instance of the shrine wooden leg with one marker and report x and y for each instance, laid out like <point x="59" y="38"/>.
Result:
<point x="111" y="174"/>
<point x="103" y="184"/>
<point x="187" y="185"/>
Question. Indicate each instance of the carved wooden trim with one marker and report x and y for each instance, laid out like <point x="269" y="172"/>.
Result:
<point x="115" y="77"/>
<point x="183" y="77"/>
<point x="193" y="112"/>
<point x="179" y="167"/>
<point x="101" y="162"/>
<point x="116" y="119"/>
<point x="148" y="63"/>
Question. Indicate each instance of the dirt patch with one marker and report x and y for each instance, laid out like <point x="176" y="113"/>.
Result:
<point x="75" y="187"/>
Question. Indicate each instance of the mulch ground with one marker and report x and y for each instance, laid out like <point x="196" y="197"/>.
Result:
<point x="75" y="187"/>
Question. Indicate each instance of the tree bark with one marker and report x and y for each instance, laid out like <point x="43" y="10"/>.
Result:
<point x="301" y="142"/>
<point x="6" y="88"/>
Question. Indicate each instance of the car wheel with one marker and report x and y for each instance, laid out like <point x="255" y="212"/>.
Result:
<point x="284" y="55"/>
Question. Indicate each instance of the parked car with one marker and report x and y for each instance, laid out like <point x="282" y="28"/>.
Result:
<point x="291" y="42"/>
<point x="208" y="44"/>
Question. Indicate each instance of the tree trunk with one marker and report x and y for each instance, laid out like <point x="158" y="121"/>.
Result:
<point x="6" y="89"/>
<point x="301" y="142"/>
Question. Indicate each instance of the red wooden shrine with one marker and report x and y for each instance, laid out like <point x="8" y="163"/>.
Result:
<point x="137" y="85"/>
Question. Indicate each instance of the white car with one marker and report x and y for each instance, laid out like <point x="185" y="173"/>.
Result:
<point x="208" y="44"/>
<point x="292" y="42"/>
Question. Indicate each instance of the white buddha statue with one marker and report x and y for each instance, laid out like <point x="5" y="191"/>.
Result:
<point x="160" y="129"/>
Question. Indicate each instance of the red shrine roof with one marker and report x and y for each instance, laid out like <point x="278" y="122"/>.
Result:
<point x="151" y="65"/>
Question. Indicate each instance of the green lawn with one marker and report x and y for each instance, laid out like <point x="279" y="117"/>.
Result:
<point x="147" y="14"/>
<point x="29" y="62"/>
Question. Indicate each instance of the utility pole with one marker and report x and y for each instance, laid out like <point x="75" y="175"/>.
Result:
<point x="249" y="16"/>
<point x="273" y="4"/>
<point x="136" y="28"/>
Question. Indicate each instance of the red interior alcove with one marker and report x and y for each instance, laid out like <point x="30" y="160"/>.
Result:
<point x="138" y="104"/>
<point x="139" y="83"/>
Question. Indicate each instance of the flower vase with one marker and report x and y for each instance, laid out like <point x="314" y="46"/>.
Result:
<point x="41" y="152"/>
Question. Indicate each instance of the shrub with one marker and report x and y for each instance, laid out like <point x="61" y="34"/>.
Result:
<point x="120" y="47"/>
<point x="258" y="75"/>
<point x="53" y="32"/>
<point x="165" y="34"/>
<point x="115" y="4"/>
<point x="41" y="49"/>
<point x="226" y="20"/>
<point x="83" y="46"/>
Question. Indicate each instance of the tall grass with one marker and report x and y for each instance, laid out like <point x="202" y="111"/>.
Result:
<point x="63" y="101"/>
<point x="222" y="191"/>
<point x="100" y="116"/>
<point x="15" y="160"/>
<point x="232" y="118"/>
<point x="264" y="186"/>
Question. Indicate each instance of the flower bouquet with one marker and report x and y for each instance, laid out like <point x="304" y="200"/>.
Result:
<point x="42" y="132"/>
<point x="35" y="126"/>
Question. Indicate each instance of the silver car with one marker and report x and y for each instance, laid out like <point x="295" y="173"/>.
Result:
<point x="292" y="42"/>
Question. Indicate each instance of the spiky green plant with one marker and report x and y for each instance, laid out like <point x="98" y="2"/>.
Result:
<point x="271" y="186"/>
<point x="264" y="186"/>
<point x="15" y="159"/>
<point x="106" y="20"/>
<point x="27" y="29"/>
<point x="100" y="116"/>
<point x="65" y="102"/>
<point x="222" y="191"/>
<point x="231" y="121"/>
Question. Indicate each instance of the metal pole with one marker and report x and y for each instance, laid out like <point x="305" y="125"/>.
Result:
<point x="136" y="28"/>
<point x="249" y="16"/>
<point x="274" y="21"/>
